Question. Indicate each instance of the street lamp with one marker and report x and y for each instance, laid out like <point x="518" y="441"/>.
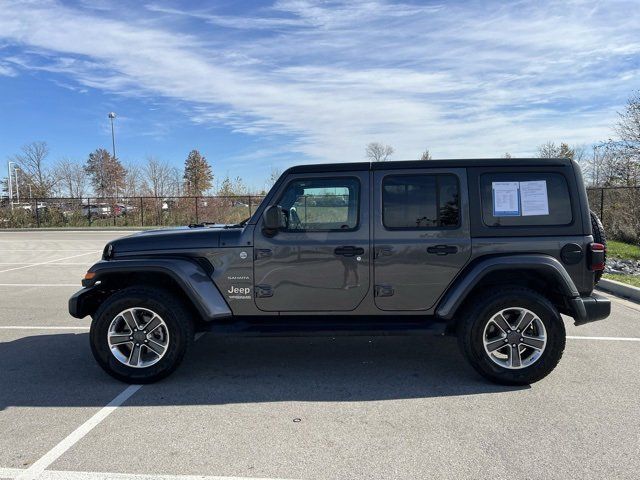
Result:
<point x="10" y="180"/>
<point x="16" y="170"/>
<point x="112" y="115"/>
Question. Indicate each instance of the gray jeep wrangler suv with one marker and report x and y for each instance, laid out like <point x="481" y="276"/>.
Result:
<point x="492" y="251"/>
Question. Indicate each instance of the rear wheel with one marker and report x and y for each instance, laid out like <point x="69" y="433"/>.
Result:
<point x="514" y="336"/>
<point x="140" y="335"/>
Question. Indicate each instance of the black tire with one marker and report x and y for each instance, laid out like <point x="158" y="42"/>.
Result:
<point x="472" y="323"/>
<point x="599" y="237"/>
<point x="168" y="307"/>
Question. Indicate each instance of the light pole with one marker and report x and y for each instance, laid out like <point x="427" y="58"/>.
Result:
<point x="594" y="168"/>
<point x="112" y="115"/>
<point x="10" y="180"/>
<point x="15" y="171"/>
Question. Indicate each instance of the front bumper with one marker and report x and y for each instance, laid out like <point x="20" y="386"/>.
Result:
<point x="594" y="307"/>
<point x="83" y="302"/>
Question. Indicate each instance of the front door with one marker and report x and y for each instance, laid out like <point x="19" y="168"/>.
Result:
<point x="421" y="235"/>
<point x="320" y="260"/>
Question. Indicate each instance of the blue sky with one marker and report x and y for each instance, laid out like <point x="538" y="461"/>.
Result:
<point x="262" y="85"/>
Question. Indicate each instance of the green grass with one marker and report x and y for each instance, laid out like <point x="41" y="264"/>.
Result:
<point x="623" y="250"/>
<point x="628" y="279"/>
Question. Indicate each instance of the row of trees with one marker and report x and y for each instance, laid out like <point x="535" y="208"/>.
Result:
<point x="103" y="175"/>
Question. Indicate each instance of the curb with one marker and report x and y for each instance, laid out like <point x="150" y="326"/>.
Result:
<point x="619" y="289"/>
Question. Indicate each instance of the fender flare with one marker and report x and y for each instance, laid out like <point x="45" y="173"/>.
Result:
<point x="194" y="281"/>
<point x="545" y="265"/>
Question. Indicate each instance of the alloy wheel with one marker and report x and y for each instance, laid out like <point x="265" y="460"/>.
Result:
<point x="138" y="337"/>
<point x="514" y="338"/>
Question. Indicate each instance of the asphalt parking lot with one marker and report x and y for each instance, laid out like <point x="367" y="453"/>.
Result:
<point x="296" y="408"/>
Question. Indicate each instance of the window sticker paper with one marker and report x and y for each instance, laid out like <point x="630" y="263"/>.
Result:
<point x="506" y="199"/>
<point x="534" y="198"/>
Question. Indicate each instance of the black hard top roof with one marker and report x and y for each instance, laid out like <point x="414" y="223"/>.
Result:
<point x="450" y="163"/>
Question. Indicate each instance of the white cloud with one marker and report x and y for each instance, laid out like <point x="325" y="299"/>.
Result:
<point x="461" y="80"/>
<point x="7" y="71"/>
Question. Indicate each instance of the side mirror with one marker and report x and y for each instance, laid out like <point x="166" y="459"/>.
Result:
<point x="273" y="219"/>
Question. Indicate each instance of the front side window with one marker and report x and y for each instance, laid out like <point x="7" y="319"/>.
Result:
<point x="420" y="201"/>
<point x="321" y="204"/>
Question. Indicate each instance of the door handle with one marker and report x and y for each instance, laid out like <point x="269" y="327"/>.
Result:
<point x="442" y="249"/>
<point x="349" y="251"/>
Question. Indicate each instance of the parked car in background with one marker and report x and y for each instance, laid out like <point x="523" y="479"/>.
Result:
<point x="29" y="206"/>
<point x="121" y="209"/>
<point x="168" y="204"/>
<point x="97" y="210"/>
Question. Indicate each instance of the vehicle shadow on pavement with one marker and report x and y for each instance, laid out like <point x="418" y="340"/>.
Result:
<point x="59" y="370"/>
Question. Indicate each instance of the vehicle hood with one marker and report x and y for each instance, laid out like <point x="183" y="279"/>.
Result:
<point x="173" y="240"/>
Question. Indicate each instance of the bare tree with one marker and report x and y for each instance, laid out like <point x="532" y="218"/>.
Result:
<point x="377" y="152"/>
<point x="176" y="181"/>
<point x="628" y="146"/>
<point x="551" y="150"/>
<point x="230" y="187"/>
<point x="159" y="177"/>
<point x="580" y="153"/>
<point x="426" y="155"/>
<point x="273" y="177"/>
<point x="628" y="127"/>
<point x="548" y="150"/>
<point x="71" y="178"/>
<point x="133" y="180"/>
<point x="506" y="155"/>
<point x="31" y="161"/>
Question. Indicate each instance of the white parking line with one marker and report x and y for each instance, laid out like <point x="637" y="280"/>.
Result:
<point x="35" y="327"/>
<point x="619" y="339"/>
<point x="40" y="285"/>
<point x="49" y="261"/>
<point x="14" y="473"/>
<point x="13" y="250"/>
<point x="10" y="472"/>
<point x="35" y="470"/>
<point x="57" y="232"/>
<point x="48" y="264"/>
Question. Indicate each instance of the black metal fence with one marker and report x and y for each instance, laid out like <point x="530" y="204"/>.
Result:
<point x="619" y="211"/>
<point x="618" y="208"/>
<point x="126" y="212"/>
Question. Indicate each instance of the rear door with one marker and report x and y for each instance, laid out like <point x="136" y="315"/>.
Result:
<point x="421" y="235"/>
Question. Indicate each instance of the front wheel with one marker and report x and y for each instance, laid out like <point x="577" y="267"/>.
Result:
<point x="140" y="335"/>
<point x="514" y="336"/>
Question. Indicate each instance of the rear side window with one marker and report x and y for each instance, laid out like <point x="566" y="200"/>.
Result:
<point x="525" y="199"/>
<point x="420" y="201"/>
